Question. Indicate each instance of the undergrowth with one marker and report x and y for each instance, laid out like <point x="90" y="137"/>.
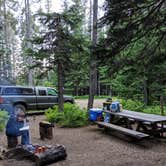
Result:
<point x="138" y="106"/>
<point x="3" y="119"/>
<point x="72" y="116"/>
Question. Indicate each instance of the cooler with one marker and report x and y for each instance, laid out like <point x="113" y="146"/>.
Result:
<point x="95" y="114"/>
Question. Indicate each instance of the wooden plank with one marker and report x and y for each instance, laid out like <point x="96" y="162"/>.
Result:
<point x="161" y="126"/>
<point x="123" y="130"/>
<point x="139" y="116"/>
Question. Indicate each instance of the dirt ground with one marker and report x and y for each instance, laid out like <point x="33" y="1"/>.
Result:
<point x="90" y="146"/>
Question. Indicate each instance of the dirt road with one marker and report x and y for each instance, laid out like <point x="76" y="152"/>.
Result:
<point x="98" y="103"/>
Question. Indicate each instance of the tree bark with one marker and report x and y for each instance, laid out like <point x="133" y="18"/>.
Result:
<point x="93" y="66"/>
<point x="28" y="36"/>
<point x="162" y="105"/>
<point x="60" y="86"/>
<point x="146" y="93"/>
<point x="76" y="90"/>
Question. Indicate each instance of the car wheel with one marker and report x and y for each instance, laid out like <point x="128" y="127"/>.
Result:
<point x="68" y="102"/>
<point x="19" y="108"/>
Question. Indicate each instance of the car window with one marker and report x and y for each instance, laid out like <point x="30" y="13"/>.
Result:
<point x="27" y="91"/>
<point x="51" y="92"/>
<point x="42" y="92"/>
<point x="11" y="91"/>
<point x="18" y="91"/>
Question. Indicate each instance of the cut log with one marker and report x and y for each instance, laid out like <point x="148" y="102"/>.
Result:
<point x="19" y="153"/>
<point x="50" y="155"/>
<point x="56" y="153"/>
<point x="12" y="141"/>
<point x="45" y="129"/>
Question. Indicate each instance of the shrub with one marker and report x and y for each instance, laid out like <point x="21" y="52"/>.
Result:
<point x="153" y="110"/>
<point x="132" y="105"/>
<point x="72" y="116"/>
<point x="3" y="119"/>
<point x="135" y="105"/>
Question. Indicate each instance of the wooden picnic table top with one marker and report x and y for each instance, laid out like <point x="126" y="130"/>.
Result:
<point x="139" y="116"/>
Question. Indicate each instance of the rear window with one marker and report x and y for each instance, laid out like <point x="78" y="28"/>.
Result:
<point x="18" y="91"/>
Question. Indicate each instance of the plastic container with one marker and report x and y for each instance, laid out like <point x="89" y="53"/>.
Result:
<point x="115" y="106"/>
<point x="95" y="114"/>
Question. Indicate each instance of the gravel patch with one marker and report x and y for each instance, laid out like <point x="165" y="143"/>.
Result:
<point x="91" y="146"/>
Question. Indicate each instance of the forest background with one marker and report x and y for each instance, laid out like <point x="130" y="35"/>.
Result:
<point x="115" y="48"/>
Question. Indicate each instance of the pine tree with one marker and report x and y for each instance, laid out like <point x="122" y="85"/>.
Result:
<point x="134" y="42"/>
<point x="93" y="63"/>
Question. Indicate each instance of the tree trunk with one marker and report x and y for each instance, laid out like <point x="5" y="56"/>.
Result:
<point x="48" y="5"/>
<point x="93" y="66"/>
<point x="146" y="93"/>
<point x="98" y="83"/>
<point x="76" y="90"/>
<point x="110" y="90"/>
<point x="60" y="86"/>
<point x="28" y="36"/>
<point x="162" y="105"/>
<point x="7" y="57"/>
<point x="90" y="19"/>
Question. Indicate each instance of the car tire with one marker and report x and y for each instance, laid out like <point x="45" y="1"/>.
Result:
<point x="18" y="108"/>
<point x="68" y="102"/>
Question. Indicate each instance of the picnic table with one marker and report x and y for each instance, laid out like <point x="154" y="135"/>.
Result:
<point x="136" y="124"/>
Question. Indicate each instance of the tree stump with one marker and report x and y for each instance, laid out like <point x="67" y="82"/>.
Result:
<point x="12" y="141"/>
<point x="45" y="129"/>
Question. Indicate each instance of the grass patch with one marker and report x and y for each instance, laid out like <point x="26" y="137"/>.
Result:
<point x="72" y="116"/>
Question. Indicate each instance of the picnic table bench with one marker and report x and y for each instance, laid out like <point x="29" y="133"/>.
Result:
<point x="129" y="132"/>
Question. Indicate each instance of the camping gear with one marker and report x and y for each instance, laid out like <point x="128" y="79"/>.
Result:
<point x="115" y="106"/>
<point x="106" y="104"/>
<point x="95" y="114"/>
<point x="107" y="118"/>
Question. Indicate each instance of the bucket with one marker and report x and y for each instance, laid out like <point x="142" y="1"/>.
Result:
<point x="95" y="114"/>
